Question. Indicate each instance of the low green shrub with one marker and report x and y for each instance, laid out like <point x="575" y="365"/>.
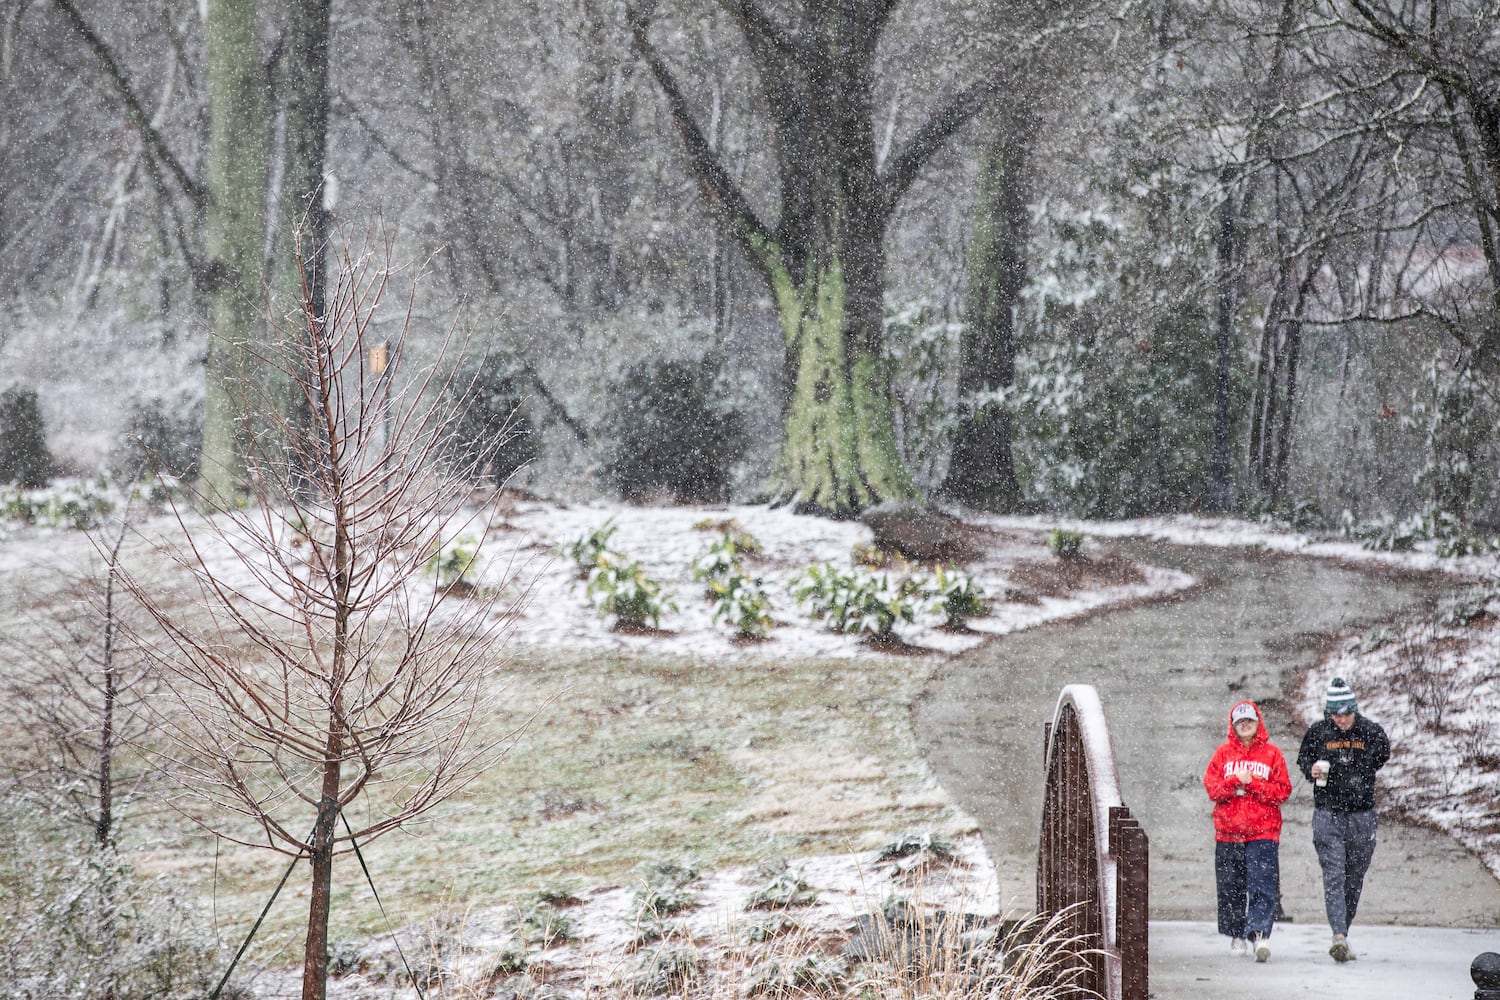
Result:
<point x="1065" y="544"/>
<point x="744" y="541"/>
<point x="77" y="507"/>
<point x="858" y="603"/>
<point x="958" y="597"/>
<point x="624" y="590"/>
<point x="451" y="564"/>
<point x="783" y="890"/>
<point x="718" y="562"/>
<point x="744" y="604"/>
<point x="587" y="550"/>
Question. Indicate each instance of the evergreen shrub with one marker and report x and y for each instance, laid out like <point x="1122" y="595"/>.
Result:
<point x="494" y="431"/>
<point x="160" y="439"/>
<point x="24" y="458"/>
<point x="665" y="431"/>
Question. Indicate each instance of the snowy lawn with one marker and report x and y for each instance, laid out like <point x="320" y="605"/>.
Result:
<point x="684" y="746"/>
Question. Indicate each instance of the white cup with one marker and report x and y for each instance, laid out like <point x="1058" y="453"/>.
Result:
<point x="1320" y="773"/>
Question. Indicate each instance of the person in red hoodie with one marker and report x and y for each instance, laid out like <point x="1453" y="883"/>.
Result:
<point x="1247" y="780"/>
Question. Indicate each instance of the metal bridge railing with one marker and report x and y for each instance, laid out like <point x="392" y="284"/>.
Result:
<point x="1093" y="862"/>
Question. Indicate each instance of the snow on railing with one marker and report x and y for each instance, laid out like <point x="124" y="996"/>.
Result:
<point x="1092" y="864"/>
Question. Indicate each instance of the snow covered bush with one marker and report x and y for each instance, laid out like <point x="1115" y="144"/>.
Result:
<point x="78" y="506"/>
<point x="738" y="599"/>
<point x="1065" y="544"/>
<point x="923" y="343"/>
<point x="743" y="603"/>
<point x="858" y="603"/>
<point x="588" y="550"/>
<point x="1113" y="395"/>
<point x="160" y="437"/>
<point x="624" y="590"/>
<point x="666" y="432"/>
<point x="24" y="458"/>
<point x="957" y="596"/>
<point x="451" y="564"/>
<point x="718" y="562"/>
<point x="80" y="924"/>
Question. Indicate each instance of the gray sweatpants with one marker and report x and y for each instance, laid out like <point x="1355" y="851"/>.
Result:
<point x="1345" y="843"/>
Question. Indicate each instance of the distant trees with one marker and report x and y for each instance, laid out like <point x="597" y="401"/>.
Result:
<point x="220" y="213"/>
<point x="1332" y="166"/>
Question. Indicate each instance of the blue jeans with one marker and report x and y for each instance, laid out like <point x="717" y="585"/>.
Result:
<point x="1345" y="843"/>
<point x="1247" y="876"/>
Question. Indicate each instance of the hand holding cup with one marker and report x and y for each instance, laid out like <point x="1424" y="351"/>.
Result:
<point x="1320" y="772"/>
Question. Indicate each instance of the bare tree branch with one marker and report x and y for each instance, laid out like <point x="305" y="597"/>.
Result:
<point x="901" y="169"/>
<point x="150" y="134"/>
<point x="723" y="194"/>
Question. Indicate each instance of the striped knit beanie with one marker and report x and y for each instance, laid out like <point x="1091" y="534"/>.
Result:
<point x="1339" y="698"/>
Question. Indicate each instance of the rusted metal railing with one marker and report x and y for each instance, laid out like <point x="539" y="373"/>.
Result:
<point x="1093" y="865"/>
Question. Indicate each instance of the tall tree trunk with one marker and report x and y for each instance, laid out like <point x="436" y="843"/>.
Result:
<point x="839" y="452"/>
<point x="305" y="103"/>
<point x="1220" y="488"/>
<point x="234" y="227"/>
<point x="982" y="471"/>
<point x="303" y="217"/>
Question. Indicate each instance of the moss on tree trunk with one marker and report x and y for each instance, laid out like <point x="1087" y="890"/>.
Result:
<point x="839" y="452"/>
<point x="231" y="280"/>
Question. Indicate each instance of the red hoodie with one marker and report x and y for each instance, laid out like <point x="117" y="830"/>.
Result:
<point x="1255" y="815"/>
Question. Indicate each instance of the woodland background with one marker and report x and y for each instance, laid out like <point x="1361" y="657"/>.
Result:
<point x="1098" y="259"/>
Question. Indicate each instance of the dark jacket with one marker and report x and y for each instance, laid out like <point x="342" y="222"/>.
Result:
<point x="1355" y="755"/>
<point x="1247" y="810"/>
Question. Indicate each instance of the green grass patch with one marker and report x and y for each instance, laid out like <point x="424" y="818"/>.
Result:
<point x="626" y="759"/>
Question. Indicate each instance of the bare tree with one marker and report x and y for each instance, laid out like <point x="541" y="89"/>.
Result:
<point x="77" y="700"/>
<point x="331" y="668"/>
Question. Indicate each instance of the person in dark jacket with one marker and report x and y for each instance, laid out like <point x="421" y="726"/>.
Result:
<point x="1340" y="754"/>
<point x="1247" y="780"/>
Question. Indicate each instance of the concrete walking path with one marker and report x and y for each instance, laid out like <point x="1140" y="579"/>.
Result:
<point x="1167" y="673"/>
<point x="1190" y="961"/>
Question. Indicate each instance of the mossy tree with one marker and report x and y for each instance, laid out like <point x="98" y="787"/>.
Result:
<point x="218" y="216"/>
<point x="982" y="470"/>
<point x="824" y="257"/>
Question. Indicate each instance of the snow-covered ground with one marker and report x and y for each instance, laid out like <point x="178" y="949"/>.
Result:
<point x="1445" y="770"/>
<point x="666" y="541"/>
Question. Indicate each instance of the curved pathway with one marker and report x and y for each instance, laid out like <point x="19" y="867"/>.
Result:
<point x="1167" y="673"/>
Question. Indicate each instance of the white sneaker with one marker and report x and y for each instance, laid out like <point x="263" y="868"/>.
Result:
<point x="1340" y="949"/>
<point x="1262" y="949"/>
<point x="1237" y="946"/>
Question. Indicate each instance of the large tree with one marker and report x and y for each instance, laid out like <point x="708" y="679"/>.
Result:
<point x="218" y="210"/>
<point x="982" y="470"/>
<point x="823" y="258"/>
